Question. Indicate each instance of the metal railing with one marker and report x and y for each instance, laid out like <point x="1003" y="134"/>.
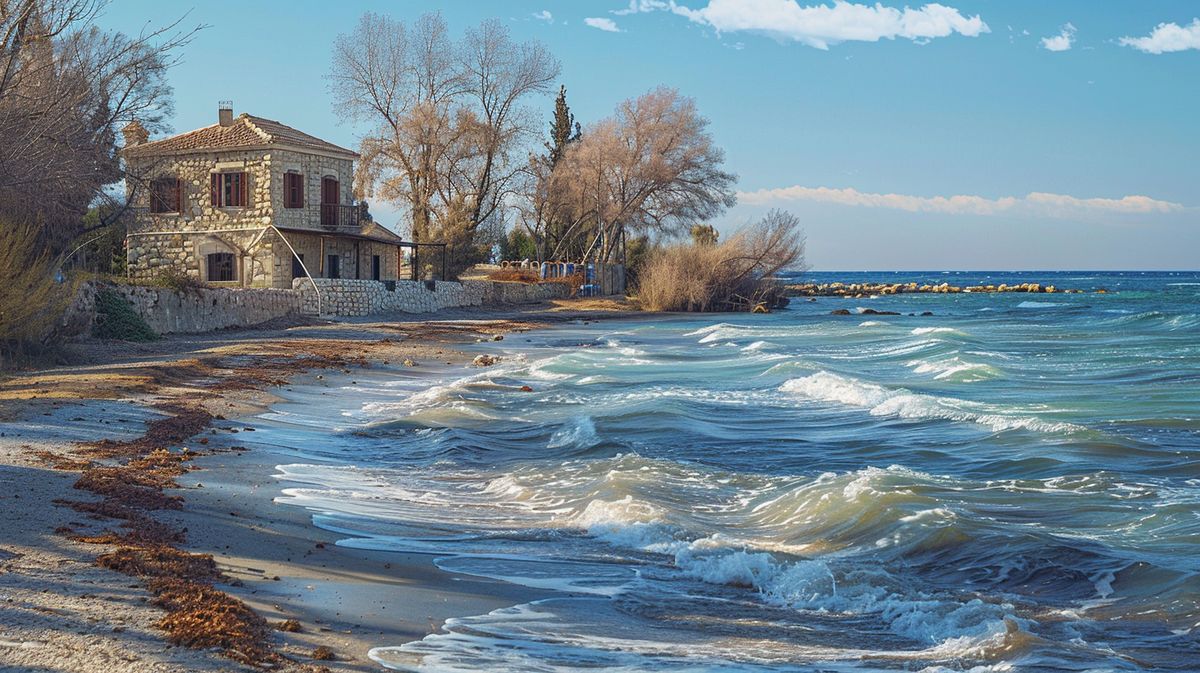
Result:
<point x="337" y="215"/>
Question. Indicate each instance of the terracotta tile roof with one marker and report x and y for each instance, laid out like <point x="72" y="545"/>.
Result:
<point x="246" y="131"/>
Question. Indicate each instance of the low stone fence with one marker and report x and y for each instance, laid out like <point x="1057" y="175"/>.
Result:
<point x="195" y="310"/>
<point x="203" y="310"/>
<point x="350" y="297"/>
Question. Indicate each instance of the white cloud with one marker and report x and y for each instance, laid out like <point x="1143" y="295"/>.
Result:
<point x="1035" y="203"/>
<point x="544" y="15"/>
<point x="1167" y="37"/>
<point x="823" y="25"/>
<point x="607" y="25"/>
<point x="641" y="6"/>
<point x="1062" y="41"/>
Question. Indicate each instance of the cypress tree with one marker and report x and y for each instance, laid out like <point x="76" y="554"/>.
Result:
<point x="564" y="130"/>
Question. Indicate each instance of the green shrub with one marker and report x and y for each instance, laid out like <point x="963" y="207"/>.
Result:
<point x="116" y="319"/>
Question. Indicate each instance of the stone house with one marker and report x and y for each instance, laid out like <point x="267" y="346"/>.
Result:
<point x="250" y="202"/>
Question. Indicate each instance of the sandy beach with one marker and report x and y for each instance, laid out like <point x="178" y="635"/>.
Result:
<point x="62" y="612"/>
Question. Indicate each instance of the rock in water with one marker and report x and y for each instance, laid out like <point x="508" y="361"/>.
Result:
<point x="485" y="360"/>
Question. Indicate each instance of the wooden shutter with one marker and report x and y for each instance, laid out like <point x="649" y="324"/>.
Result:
<point x="243" y="178"/>
<point x="215" y="190"/>
<point x="178" y="195"/>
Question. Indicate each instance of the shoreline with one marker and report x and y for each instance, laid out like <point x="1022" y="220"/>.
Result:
<point x="272" y="557"/>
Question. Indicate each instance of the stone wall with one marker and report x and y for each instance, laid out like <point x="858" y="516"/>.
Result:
<point x="168" y="311"/>
<point x="346" y="297"/>
<point x="207" y="309"/>
<point x="202" y="310"/>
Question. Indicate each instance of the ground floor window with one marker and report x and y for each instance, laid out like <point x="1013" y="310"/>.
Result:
<point x="333" y="267"/>
<point x="298" y="266"/>
<point x="375" y="267"/>
<point x="221" y="267"/>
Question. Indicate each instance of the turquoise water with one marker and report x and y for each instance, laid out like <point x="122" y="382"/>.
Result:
<point x="1010" y="484"/>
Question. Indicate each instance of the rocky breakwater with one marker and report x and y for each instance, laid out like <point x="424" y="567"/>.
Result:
<point x="859" y="290"/>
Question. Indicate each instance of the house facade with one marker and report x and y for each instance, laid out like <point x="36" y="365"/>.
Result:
<point x="250" y="202"/>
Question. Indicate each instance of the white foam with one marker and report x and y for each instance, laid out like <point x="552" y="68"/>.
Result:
<point x="954" y="369"/>
<point x="1038" y="304"/>
<point x="952" y="625"/>
<point x="902" y="403"/>
<point x="937" y="330"/>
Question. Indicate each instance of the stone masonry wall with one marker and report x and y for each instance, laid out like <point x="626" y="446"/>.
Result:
<point x="205" y="310"/>
<point x="181" y="240"/>
<point x="348" y="297"/>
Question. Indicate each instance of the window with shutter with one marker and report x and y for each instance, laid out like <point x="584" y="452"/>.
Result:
<point x="230" y="190"/>
<point x="165" y="195"/>
<point x="293" y="190"/>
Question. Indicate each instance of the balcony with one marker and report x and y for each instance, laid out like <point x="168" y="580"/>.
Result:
<point x="339" y="216"/>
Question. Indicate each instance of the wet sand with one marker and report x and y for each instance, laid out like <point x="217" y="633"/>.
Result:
<point x="59" y="611"/>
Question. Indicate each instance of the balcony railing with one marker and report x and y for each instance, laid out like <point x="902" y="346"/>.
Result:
<point x="337" y="215"/>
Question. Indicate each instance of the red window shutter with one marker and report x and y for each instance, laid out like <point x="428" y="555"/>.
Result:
<point x="244" y="192"/>
<point x="215" y="190"/>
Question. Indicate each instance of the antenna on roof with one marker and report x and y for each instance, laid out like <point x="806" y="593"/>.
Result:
<point x="225" y="112"/>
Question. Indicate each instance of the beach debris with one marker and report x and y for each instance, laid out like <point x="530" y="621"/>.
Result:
<point x="408" y="362"/>
<point x="323" y="653"/>
<point x="289" y="626"/>
<point x="485" y="360"/>
<point x="760" y="308"/>
<point x="498" y="337"/>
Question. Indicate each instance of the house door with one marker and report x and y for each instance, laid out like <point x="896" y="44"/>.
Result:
<point x="375" y="267"/>
<point x="330" y="197"/>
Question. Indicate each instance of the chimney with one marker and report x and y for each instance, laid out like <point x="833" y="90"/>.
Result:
<point x="135" y="134"/>
<point x="225" y="113"/>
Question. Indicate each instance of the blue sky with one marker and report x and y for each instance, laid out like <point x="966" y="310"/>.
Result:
<point x="904" y="139"/>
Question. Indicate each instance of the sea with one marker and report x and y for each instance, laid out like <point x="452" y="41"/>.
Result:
<point x="1011" y="483"/>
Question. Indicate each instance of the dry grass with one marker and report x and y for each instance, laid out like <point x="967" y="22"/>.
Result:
<point x="511" y="275"/>
<point x="31" y="301"/>
<point x="737" y="274"/>
<point x="532" y="277"/>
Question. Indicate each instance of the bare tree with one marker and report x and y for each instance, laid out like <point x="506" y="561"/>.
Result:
<point x="65" y="88"/>
<point x="651" y="168"/>
<point x="447" y="117"/>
